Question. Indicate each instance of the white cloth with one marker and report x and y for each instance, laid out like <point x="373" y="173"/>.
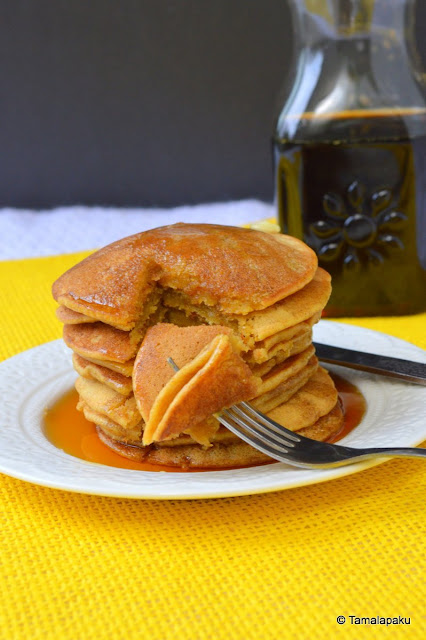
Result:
<point x="25" y="233"/>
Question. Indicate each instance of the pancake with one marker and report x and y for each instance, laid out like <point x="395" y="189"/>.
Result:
<point x="282" y="352"/>
<point x="113" y="379"/>
<point x="283" y="372"/>
<point x="68" y="316"/>
<point x="258" y="268"/>
<point x="326" y="426"/>
<point x="211" y="376"/>
<point x="134" y="436"/>
<point x="215" y="379"/>
<point x="221" y="456"/>
<point x="126" y="435"/>
<point x="100" y="341"/>
<point x="234" y="308"/>
<point x="259" y="356"/>
<point x="256" y="326"/>
<point x="119" y="408"/>
<point x="161" y="342"/>
<point x="231" y="452"/>
<point x="265" y="349"/>
<point x="323" y="419"/>
<point x="125" y="368"/>
<point x="297" y="308"/>
<point x="284" y="391"/>
<point x="314" y="400"/>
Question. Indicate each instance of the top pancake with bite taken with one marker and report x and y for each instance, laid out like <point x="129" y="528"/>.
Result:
<point x="252" y="270"/>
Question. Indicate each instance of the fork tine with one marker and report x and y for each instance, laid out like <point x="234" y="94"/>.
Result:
<point x="259" y="427"/>
<point x="255" y="433"/>
<point x="261" y="445"/>
<point x="269" y="422"/>
<point x="277" y="442"/>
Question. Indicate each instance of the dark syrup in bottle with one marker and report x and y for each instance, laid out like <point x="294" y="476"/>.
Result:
<point x="353" y="187"/>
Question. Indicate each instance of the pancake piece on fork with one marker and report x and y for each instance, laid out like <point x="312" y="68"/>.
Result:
<point x="233" y="308"/>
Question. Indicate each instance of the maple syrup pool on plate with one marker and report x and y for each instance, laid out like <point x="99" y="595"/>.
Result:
<point x="68" y="429"/>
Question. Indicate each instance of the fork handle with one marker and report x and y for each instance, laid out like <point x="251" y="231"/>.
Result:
<point x="351" y="455"/>
<point x="339" y="456"/>
<point x="410" y="452"/>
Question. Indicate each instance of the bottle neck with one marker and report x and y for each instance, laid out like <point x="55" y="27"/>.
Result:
<point x="319" y="20"/>
<point x="352" y="56"/>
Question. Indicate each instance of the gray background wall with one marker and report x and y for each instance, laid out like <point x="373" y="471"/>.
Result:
<point x="141" y="102"/>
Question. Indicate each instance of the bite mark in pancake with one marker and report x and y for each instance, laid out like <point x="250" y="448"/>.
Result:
<point x="259" y="269"/>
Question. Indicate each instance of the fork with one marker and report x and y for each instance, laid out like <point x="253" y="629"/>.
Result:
<point x="270" y="437"/>
<point x="284" y="445"/>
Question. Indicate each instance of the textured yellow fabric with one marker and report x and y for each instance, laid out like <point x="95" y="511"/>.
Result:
<point x="274" y="566"/>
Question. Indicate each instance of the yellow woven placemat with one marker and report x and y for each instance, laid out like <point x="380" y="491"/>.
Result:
<point x="280" y="565"/>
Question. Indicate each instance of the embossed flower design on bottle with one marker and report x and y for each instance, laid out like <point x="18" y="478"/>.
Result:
<point x="357" y="227"/>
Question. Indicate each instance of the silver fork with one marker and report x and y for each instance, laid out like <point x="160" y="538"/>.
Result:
<point x="284" y="445"/>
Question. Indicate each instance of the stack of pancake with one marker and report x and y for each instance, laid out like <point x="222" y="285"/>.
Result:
<point x="232" y="308"/>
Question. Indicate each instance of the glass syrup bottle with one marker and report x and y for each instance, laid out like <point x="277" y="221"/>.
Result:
<point x="350" y="153"/>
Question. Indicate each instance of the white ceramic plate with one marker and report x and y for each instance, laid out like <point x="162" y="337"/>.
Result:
<point x="395" y="416"/>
